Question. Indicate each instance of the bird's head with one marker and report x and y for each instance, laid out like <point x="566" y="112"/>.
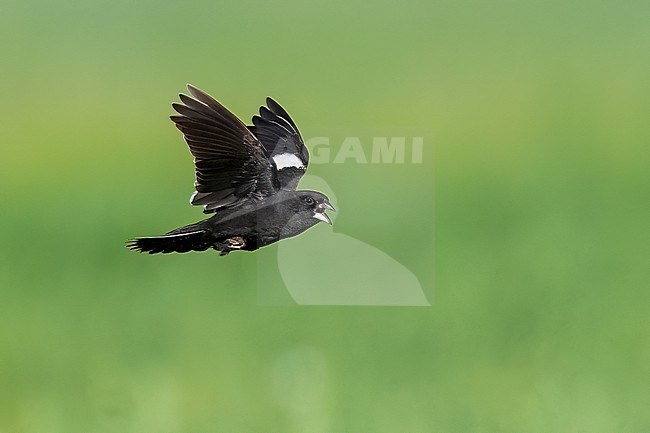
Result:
<point x="315" y="203"/>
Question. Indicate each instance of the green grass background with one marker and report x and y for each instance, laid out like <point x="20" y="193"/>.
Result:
<point x="539" y="286"/>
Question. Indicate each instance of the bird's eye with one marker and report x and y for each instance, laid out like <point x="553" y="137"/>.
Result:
<point x="309" y="200"/>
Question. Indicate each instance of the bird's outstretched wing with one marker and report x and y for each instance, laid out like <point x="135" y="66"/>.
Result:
<point x="231" y="164"/>
<point x="282" y="143"/>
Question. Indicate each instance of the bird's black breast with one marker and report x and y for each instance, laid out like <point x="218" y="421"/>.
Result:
<point x="261" y="223"/>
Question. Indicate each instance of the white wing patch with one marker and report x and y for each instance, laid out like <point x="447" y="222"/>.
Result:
<point x="285" y="160"/>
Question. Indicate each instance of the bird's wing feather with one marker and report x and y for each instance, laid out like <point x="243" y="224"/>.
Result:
<point x="231" y="164"/>
<point x="282" y="143"/>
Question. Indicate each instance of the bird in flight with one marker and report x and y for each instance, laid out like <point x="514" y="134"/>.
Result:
<point x="245" y="175"/>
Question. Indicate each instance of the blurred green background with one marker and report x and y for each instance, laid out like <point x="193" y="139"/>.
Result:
<point x="539" y="288"/>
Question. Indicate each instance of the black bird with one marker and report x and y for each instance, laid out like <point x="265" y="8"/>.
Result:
<point x="246" y="175"/>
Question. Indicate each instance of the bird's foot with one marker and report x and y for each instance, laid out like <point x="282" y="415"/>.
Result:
<point x="235" y="243"/>
<point x="230" y="244"/>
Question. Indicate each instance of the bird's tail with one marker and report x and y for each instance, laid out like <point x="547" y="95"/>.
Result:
<point x="180" y="240"/>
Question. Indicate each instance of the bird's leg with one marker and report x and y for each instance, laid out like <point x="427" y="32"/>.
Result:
<point x="230" y="244"/>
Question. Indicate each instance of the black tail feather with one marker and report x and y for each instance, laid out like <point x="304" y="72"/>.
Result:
<point x="171" y="243"/>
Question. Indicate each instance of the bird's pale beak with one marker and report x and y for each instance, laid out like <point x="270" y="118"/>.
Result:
<point x="322" y="216"/>
<point x="327" y="205"/>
